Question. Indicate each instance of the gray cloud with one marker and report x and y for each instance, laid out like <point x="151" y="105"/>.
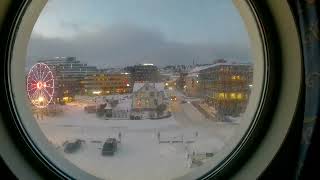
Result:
<point x="122" y="45"/>
<point x="69" y="25"/>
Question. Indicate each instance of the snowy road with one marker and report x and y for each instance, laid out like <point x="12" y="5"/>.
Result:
<point x="187" y="115"/>
<point x="139" y="155"/>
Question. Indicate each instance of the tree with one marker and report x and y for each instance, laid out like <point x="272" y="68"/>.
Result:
<point x="160" y="109"/>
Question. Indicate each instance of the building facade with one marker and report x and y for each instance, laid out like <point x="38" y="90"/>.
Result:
<point x="147" y="96"/>
<point x="181" y="81"/>
<point x="68" y="73"/>
<point x="144" y="73"/>
<point x="106" y="84"/>
<point x="227" y="86"/>
<point x="192" y="81"/>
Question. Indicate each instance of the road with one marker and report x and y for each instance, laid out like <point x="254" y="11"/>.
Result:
<point x="188" y="116"/>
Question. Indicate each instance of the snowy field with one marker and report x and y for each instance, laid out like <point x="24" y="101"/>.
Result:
<point x="139" y="155"/>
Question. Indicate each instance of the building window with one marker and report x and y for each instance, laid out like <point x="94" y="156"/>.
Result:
<point x="233" y="96"/>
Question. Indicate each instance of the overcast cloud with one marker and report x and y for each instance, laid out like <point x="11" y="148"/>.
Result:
<point x="126" y="32"/>
<point x="128" y="44"/>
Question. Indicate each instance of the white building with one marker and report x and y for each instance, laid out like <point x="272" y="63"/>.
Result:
<point x="147" y="96"/>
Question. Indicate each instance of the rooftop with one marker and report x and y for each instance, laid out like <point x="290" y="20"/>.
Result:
<point x="196" y="70"/>
<point x="158" y="86"/>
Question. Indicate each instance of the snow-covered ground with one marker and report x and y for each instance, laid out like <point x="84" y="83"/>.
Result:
<point x="139" y="155"/>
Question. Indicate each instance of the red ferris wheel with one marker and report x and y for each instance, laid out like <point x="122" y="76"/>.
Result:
<point x="40" y="85"/>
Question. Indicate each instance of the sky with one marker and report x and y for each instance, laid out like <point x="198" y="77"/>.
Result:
<point x="124" y="32"/>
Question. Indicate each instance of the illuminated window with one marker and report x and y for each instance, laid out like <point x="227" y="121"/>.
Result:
<point x="221" y="95"/>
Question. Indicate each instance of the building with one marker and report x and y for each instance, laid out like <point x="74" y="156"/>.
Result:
<point x="144" y="73"/>
<point x="147" y="96"/>
<point x="106" y="84"/>
<point x="226" y="86"/>
<point x="170" y="80"/>
<point x="68" y="73"/>
<point x="192" y="81"/>
<point x="181" y="81"/>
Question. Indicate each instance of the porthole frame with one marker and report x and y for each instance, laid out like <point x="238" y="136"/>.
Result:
<point x="20" y="148"/>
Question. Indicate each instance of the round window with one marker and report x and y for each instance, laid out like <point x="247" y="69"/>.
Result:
<point x="140" y="89"/>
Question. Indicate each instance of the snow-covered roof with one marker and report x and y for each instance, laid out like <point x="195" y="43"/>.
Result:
<point x="108" y="106"/>
<point x="124" y="104"/>
<point x="115" y="96"/>
<point x="199" y="68"/>
<point x="195" y="71"/>
<point x="158" y="86"/>
<point x="137" y="86"/>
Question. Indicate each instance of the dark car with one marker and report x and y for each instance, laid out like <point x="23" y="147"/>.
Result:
<point x="71" y="147"/>
<point x="109" y="147"/>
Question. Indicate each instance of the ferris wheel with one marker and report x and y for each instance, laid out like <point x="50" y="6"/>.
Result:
<point x="40" y="85"/>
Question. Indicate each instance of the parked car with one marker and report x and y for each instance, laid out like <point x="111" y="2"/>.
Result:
<point x="109" y="147"/>
<point x="72" y="147"/>
<point x="135" y="117"/>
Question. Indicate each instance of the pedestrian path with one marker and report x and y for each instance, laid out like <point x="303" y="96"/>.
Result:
<point x="208" y="111"/>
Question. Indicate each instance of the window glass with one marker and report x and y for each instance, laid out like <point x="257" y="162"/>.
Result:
<point x="139" y="89"/>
